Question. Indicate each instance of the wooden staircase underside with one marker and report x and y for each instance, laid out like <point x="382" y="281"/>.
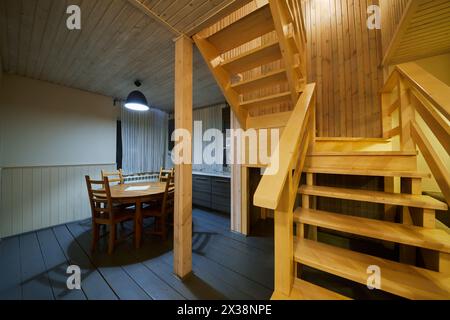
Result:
<point x="424" y="31"/>
<point x="257" y="65"/>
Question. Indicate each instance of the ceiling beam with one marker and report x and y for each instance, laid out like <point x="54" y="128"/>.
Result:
<point x="148" y="12"/>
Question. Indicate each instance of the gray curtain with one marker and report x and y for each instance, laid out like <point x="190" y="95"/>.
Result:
<point x="144" y="140"/>
<point x="211" y="118"/>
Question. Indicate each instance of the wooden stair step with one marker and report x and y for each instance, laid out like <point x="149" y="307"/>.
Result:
<point x="352" y="139"/>
<point x="272" y="120"/>
<point x="399" y="199"/>
<point x="399" y="279"/>
<point x="254" y="58"/>
<point x="367" y="172"/>
<point x="364" y="153"/>
<point x="432" y="239"/>
<point x="249" y="27"/>
<point x="303" y="290"/>
<point x="270" y="79"/>
<point x="276" y="98"/>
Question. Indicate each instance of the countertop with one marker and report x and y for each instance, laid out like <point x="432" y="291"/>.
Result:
<point x="212" y="174"/>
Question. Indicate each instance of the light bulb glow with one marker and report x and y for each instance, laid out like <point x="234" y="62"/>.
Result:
<point x="136" y="106"/>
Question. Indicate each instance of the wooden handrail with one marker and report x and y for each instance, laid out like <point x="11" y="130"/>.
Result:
<point x="273" y="182"/>
<point x="421" y="92"/>
<point x="429" y="86"/>
<point x="437" y="167"/>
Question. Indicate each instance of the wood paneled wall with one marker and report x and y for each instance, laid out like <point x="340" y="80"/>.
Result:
<point x="344" y="59"/>
<point x="391" y="13"/>
<point x="40" y="197"/>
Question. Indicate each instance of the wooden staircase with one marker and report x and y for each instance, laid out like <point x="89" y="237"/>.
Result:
<point x="258" y="60"/>
<point x="413" y="229"/>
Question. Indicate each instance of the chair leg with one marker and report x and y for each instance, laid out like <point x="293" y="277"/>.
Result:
<point x="163" y="228"/>
<point x="95" y="236"/>
<point x="112" y="238"/>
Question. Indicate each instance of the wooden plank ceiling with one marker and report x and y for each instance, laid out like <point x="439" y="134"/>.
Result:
<point x="117" y="44"/>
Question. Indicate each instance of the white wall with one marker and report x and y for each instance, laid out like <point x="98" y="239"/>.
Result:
<point x="50" y="137"/>
<point x="438" y="66"/>
<point x="46" y="125"/>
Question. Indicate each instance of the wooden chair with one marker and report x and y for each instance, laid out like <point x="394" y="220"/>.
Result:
<point x="113" y="176"/>
<point x="162" y="210"/>
<point x="104" y="212"/>
<point x="165" y="173"/>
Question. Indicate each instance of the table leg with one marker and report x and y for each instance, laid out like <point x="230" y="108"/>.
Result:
<point x="138" y="224"/>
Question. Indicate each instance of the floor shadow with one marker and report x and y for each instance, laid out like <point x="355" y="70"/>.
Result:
<point x="125" y="252"/>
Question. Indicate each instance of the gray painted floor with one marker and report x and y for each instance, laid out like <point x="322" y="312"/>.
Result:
<point x="226" y="265"/>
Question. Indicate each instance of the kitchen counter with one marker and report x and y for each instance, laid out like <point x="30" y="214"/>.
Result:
<point x="210" y="174"/>
<point x="212" y="190"/>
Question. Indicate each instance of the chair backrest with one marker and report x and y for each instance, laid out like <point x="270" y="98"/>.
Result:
<point x="169" y="196"/>
<point x="165" y="173"/>
<point x="99" y="198"/>
<point x="113" y="176"/>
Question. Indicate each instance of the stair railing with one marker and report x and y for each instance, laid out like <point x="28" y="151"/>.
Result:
<point x="414" y="92"/>
<point x="290" y="27"/>
<point x="279" y="186"/>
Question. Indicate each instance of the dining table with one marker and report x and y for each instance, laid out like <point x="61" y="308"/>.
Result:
<point x="136" y="194"/>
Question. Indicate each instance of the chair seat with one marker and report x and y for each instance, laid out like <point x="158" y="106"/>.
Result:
<point x="151" y="211"/>
<point x="120" y="215"/>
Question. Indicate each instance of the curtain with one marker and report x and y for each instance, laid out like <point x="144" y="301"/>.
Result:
<point x="144" y="139"/>
<point x="211" y="118"/>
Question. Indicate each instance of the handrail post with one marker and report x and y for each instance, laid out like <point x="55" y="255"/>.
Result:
<point x="406" y="116"/>
<point x="386" y="101"/>
<point x="283" y="239"/>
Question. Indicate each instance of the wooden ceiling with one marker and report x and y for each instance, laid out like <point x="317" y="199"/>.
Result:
<point x="118" y="43"/>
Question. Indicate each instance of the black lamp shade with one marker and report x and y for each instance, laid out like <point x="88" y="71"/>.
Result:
<point x="136" y="101"/>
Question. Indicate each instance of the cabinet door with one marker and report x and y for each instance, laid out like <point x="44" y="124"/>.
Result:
<point x="221" y="194"/>
<point x="201" y="191"/>
<point x="221" y="186"/>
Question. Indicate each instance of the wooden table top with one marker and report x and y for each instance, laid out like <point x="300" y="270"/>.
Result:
<point x="154" y="188"/>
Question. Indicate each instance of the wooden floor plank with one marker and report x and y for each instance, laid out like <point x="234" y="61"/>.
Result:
<point x="192" y="288"/>
<point x="222" y="225"/>
<point x="156" y="288"/>
<point x="109" y="266"/>
<point x="228" y="258"/>
<point x="34" y="277"/>
<point x="94" y="285"/>
<point x="56" y="265"/>
<point x="10" y="280"/>
<point x="210" y="277"/>
<point x="251" y="288"/>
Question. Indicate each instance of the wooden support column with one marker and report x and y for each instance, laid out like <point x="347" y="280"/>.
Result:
<point x="284" y="246"/>
<point x="183" y="172"/>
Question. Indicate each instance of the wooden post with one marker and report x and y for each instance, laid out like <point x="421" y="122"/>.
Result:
<point x="308" y="203"/>
<point x="406" y="117"/>
<point x="284" y="246"/>
<point x="183" y="172"/>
